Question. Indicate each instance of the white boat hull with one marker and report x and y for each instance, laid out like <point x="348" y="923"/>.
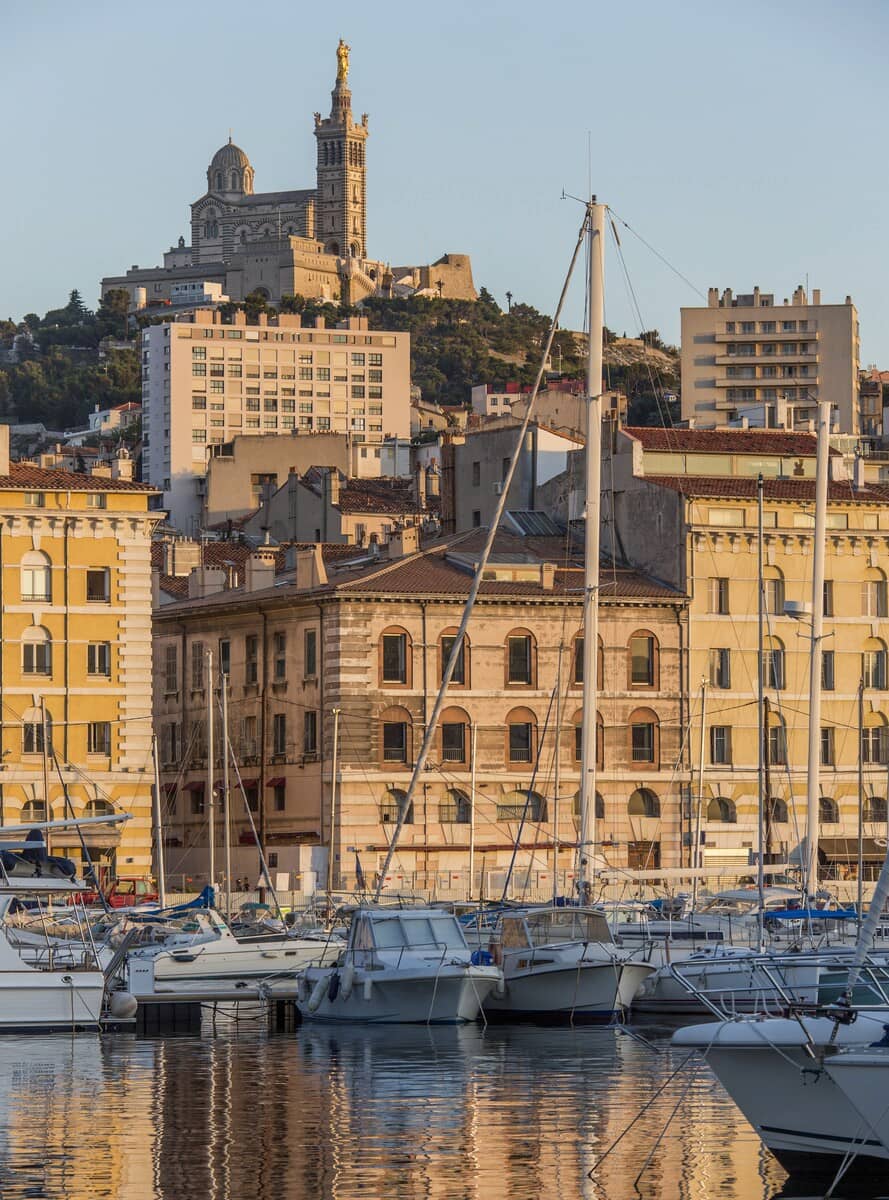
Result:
<point x="446" y="996"/>
<point x="580" y="991"/>
<point x="46" y="1001"/>
<point x="226" y="962"/>
<point x="734" y="984"/>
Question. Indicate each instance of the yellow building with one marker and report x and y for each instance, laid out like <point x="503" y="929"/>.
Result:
<point x="683" y="506"/>
<point x="75" y="630"/>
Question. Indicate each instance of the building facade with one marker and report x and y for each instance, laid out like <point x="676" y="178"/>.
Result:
<point x="368" y="643"/>
<point x="76" y="668"/>
<point x="205" y="382"/>
<point x="748" y="356"/>
<point x="684" y="508"/>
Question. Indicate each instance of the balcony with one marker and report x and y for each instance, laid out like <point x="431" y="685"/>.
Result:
<point x="766" y="360"/>
<point x="789" y="335"/>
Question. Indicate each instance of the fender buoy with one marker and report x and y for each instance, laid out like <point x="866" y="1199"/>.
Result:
<point x="317" y="993"/>
<point x="304" y="989"/>
<point x="368" y="988"/>
<point x="347" y="981"/>
<point x="333" y="987"/>
<point x="499" y="988"/>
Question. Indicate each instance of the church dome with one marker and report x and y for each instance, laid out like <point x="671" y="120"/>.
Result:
<point x="230" y="170"/>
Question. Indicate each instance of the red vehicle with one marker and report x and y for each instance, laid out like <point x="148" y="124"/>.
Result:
<point x="124" y="893"/>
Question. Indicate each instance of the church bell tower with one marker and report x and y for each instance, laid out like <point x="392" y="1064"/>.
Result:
<point x="341" y="202"/>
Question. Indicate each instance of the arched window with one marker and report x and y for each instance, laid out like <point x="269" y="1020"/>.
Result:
<point x="644" y="739"/>
<point x="643" y="803"/>
<point x="521" y="658"/>
<point x="516" y="805"/>
<point x="778" y="810"/>
<point x="98" y="808"/>
<point x="722" y="809"/>
<point x="521" y="738"/>
<point x="600" y="806"/>
<point x="395" y="657"/>
<point x="577" y="661"/>
<point x="36" y="576"/>
<point x="875" y="809"/>
<point x="395" y="737"/>
<point x="461" y="675"/>
<point x="873" y="664"/>
<point x="773" y="583"/>
<point x="34" y="810"/>
<point x="828" y="811"/>
<point x="776" y="740"/>
<point x="773" y="663"/>
<point x="456" y="809"/>
<point x="235" y="181"/>
<point x="242" y="237"/>
<point x="454" y="734"/>
<point x="36" y="651"/>
<point x="875" y="739"/>
<point x="873" y="593"/>
<point x="219" y="181"/>
<point x="642" y="656"/>
<point x="392" y="805"/>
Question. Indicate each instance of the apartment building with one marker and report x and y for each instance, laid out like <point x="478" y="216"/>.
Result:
<point x="75" y="624"/>
<point x="370" y="640"/>
<point x="747" y="356"/>
<point x="683" y="506"/>
<point x="205" y="382"/>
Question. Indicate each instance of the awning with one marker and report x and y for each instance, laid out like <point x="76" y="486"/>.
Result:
<point x="249" y="785"/>
<point x="278" y="781"/>
<point x="195" y="785"/>
<point x="846" y="849"/>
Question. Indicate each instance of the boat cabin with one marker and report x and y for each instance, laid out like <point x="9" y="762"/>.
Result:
<point x="423" y="931"/>
<point x="551" y="926"/>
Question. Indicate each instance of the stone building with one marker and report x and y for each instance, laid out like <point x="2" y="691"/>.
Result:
<point x="75" y="623"/>
<point x="682" y="505"/>
<point x="309" y="241"/>
<point x="368" y="639"/>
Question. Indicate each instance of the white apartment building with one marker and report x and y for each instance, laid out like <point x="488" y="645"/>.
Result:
<point x="205" y="382"/>
<point x="747" y="357"/>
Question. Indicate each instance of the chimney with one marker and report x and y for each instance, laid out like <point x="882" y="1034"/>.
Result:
<point x="206" y="581"/>
<point x="402" y="542"/>
<point x="547" y="576"/>
<point x="310" y="569"/>
<point x="181" y="557"/>
<point x="858" y="476"/>
<point x="259" y="570"/>
<point x="420" y="487"/>
<point x="816" y="295"/>
<point x="433" y="481"/>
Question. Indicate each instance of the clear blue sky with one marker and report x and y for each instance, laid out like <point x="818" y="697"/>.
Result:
<point x="746" y="142"/>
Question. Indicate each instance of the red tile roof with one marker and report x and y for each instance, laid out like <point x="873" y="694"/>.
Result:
<point x="234" y="554"/>
<point x="725" y="441"/>
<point x="381" y="495"/>
<point x="24" y="475"/>
<point x="695" y="486"/>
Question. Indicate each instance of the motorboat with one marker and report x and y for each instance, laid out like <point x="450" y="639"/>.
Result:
<point x="775" y="1070"/>
<point x="562" y="963"/>
<point x="862" y="1075"/>
<point x="400" y="965"/>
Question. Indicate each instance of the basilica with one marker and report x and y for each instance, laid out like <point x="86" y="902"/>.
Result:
<point x="309" y="241"/>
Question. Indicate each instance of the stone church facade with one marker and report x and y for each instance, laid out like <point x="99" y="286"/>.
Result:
<point x="309" y="241"/>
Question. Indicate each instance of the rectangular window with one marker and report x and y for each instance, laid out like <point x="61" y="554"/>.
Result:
<point x="280" y="656"/>
<point x="720" y="668"/>
<point x="279" y="733"/>
<point x="310" y="732"/>
<point x="395" y="658"/>
<point x="280" y="797"/>
<point x="199" y="435"/>
<point x="251" y="658"/>
<point x="719" y="596"/>
<point x="874" y="669"/>
<point x="777" y="745"/>
<point x="32" y="737"/>
<point x="199" y="369"/>
<point x="873" y="598"/>
<point x="447" y="646"/>
<point x="171" y="668"/>
<point x="520" y="742"/>
<point x="827" y="746"/>
<point x="225" y="656"/>
<point x="394" y="741"/>
<point x="37" y="658"/>
<point x="98" y="737"/>
<point x="577" y="673"/>
<point x="35" y="499"/>
<point x="98" y="658"/>
<point x="642" y="661"/>
<point x="217" y="386"/>
<point x="773" y="665"/>
<point x="774" y="597"/>
<point x="198" y="401"/>
<point x="828" y="598"/>
<point x="37" y="583"/>
<point x="720" y="745"/>
<point x="828" y="678"/>
<point x="642" y="742"/>
<point x="197" y="802"/>
<point x="453" y="742"/>
<point x="476" y="474"/>
<point x="374" y="360"/>
<point x="96" y="500"/>
<point x="519" y="664"/>
<point x="98" y="585"/>
<point x="310" y="654"/>
<point x="170" y="743"/>
<point x="875" y="744"/>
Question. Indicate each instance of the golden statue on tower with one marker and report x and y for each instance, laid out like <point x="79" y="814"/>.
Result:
<point x="342" y="62"/>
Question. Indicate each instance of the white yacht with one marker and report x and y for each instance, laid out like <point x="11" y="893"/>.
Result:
<point x="562" y="964"/>
<point x="409" y="965"/>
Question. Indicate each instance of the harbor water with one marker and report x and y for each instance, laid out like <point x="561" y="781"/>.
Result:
<point x="452" y="1113"/>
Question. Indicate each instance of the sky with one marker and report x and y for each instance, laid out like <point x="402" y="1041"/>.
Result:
<point x="743" y="142"/>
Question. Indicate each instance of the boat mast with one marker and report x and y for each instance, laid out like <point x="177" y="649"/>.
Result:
<point x="226" y="799"/>
<point x="159" y="828"/>
<point x="813" y="793"/>
<point x="335" y="712"/>
<point x="211" y="749"/>
<point x="593" y="473"/>
<point x="762" y="840"/>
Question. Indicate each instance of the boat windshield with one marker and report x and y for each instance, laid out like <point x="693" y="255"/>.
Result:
<point x="726" y="906"/>
<point x="555" y="925"/>
<point x="426" y="931"/>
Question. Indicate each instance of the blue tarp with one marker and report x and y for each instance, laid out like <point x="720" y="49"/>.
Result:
<point x="813" y="914"/>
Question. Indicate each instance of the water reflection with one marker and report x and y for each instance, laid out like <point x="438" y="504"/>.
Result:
<point x="462" y="1114"/>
